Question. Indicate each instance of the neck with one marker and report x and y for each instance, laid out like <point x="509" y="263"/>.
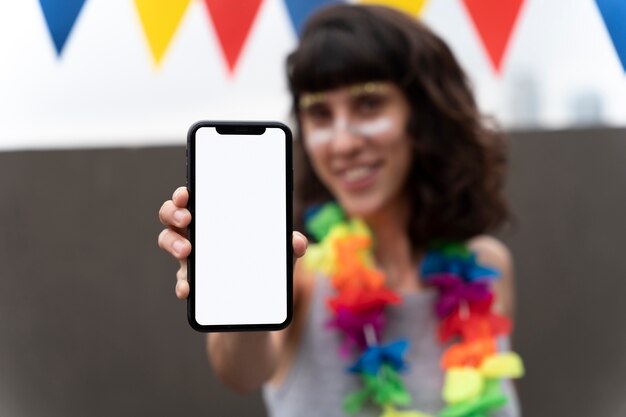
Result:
<point x="392" y="245"/>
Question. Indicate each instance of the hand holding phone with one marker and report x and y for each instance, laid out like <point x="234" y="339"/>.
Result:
<point x="240" y="187"/>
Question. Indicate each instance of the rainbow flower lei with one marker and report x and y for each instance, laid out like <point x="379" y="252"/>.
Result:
<point x="472" y="362"/>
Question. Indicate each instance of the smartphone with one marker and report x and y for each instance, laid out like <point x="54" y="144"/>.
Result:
<point x="240" y="176"/>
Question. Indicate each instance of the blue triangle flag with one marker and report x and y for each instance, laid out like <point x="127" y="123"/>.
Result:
<point x="60" y="16"/>
<point x="614" y="15"/>
<point x="300" y="10"/>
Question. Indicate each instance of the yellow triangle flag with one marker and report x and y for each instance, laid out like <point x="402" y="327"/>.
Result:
<point x="160" y="19"/>
<point x="412" y="7"/>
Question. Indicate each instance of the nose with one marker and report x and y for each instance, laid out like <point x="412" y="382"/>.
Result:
<point x="346" y="140"/>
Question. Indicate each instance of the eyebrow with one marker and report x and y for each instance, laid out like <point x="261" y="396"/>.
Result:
<point x="367" y="88"/>
<point x="310" y="99"/>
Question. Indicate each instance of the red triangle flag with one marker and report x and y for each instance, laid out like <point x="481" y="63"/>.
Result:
<point x="494" y="21"/>
<point x="232" y="21"/>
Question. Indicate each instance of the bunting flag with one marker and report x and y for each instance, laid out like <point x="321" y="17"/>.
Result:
<point x="232" y="21"/>
<point x="614" y="14"/>
<point x="160" y="19"/>
<point x="494" y="21"/>
<point x="300" y="10"/>
<point x="411" y="7"/>
<point x="60" y="17"/>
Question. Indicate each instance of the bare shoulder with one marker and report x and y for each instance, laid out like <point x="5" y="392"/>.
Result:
<point x="493" y="253"/>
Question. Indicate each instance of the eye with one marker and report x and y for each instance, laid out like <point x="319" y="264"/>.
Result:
<point x="318" y="114"/>
<point x="369" y="104"/>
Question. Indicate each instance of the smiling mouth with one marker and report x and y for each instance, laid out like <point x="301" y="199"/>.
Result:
<point x="356" y="174"/>
<point x="359" y="177"/>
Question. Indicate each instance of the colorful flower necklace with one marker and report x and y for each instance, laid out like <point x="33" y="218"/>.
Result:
<point x="472" y="363"/>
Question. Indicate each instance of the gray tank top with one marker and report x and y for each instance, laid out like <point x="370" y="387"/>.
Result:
<point x="317" y="382"/>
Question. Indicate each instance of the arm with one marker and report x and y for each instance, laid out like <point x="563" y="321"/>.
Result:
<point x="242" y="360"/>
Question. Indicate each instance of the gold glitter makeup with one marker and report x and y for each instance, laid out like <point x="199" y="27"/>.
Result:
<point x="368" y="88"/>
<point x="309" y="99"/>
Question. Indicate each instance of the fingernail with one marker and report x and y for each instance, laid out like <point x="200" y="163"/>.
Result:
<point x="179" y="215"/>
<point x="178" y="246"/>
<point x="303" y="238"/>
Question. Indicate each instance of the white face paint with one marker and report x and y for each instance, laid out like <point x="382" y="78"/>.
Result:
<point x="367" y="129"/>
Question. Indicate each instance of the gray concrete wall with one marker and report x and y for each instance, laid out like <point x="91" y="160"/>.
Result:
<point x="569" y="192"/>
<point x="89" y="324"/>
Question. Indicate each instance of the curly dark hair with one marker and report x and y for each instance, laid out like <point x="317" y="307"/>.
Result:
<point x="457" y="177"/>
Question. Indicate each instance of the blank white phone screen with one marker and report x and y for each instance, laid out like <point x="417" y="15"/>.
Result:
<point x="240" y="228"/>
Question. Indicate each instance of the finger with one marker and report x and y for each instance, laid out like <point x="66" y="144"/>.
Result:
<point x="300" y="243"/>
<point x="181" y="274"/>
<point x="174" y="243"/>
<point x="171" y="215"/>
<point x="181" y="197"/>
<point x="182" y="289"/>
<point x="182" y="286"/>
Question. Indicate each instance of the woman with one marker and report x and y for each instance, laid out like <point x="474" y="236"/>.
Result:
<point x="391" y="133"/>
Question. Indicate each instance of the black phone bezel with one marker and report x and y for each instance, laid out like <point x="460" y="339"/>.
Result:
<point x="251" y="128"/>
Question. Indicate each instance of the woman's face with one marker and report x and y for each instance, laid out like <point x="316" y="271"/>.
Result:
<point x="357" y="141"/>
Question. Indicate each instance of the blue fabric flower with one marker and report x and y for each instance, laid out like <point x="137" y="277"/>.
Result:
<point x="374" y="357"/>
<point x="435" y="262"/>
